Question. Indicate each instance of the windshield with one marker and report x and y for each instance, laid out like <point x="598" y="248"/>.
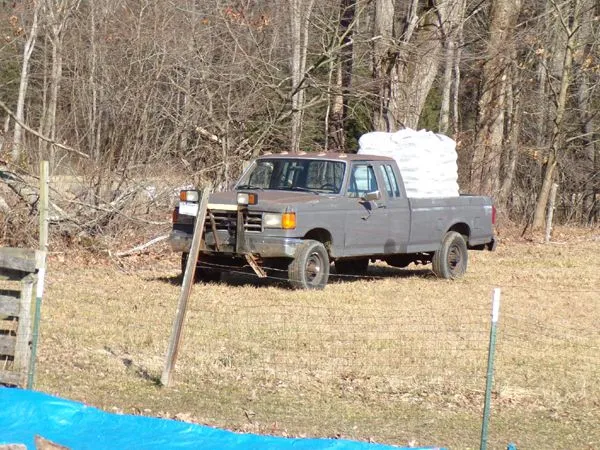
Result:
<point x="312" y="175"/>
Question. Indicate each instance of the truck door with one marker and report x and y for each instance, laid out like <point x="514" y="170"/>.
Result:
<point x="398" y="211"/>
<point x="366" y="227"/>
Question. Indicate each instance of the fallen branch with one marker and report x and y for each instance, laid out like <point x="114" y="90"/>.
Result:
<point x="39" y="135"/>
<point x="28" y="193"/>
<point x="143" y="246"/>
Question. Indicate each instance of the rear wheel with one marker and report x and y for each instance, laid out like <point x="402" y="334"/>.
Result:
<point x="450" y="261"/>
<point x="202" y="274"/>
<point x="357" y="266"/>
<point x="310" y="267"/>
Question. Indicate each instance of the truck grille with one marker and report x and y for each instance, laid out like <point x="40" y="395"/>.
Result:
<point x="227" y="220"/>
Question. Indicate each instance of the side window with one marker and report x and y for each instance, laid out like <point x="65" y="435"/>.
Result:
<point x="362" y="180"/>
<point x="391" y="184"/>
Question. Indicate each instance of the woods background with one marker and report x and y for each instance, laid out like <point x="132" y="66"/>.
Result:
<point x="128" y="98"/>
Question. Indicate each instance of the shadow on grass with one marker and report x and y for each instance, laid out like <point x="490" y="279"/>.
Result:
<point x="376" y="272"/>
<point x="140" y="371"/>
<point x="248" y="278"/>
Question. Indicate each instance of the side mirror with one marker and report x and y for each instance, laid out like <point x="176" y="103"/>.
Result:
<point x="372" y="196"/>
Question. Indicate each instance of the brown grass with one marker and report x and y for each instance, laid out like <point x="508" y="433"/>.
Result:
<point x="399" y="358"/>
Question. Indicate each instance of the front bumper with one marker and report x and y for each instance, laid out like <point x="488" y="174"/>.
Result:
<point x="256" y="244"/>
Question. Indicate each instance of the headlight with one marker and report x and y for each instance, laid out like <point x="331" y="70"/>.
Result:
<point x="286" y="221"/>
<point x="271" y="220"/>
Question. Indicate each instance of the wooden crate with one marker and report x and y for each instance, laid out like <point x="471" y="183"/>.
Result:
<point x="19" y="266"/>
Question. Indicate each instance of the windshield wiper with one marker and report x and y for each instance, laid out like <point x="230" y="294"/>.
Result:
<point x="303" y="189"/>
<point x="249" y="186"/>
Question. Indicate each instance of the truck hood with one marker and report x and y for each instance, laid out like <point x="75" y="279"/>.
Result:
<point x="267" y="199"/>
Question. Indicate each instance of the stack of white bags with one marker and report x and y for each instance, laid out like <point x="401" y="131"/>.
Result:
<point x="427" y="160"/>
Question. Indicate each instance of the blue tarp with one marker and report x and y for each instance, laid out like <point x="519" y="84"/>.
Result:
<point x="23" y="414"/>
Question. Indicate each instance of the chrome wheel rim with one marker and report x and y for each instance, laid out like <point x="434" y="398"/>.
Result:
<point x="313" y="267"/>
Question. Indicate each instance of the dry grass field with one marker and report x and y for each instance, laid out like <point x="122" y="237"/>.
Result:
<point x="398" y="358"/>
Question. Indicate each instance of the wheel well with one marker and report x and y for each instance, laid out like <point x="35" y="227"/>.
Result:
<point x="321" y="235"/>
<point x="461" y="228"/>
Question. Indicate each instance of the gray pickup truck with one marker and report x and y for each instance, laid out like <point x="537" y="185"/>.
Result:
<point x="295" y="213"/>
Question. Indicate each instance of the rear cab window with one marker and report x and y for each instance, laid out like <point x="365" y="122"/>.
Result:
<point x="389" y="180"/>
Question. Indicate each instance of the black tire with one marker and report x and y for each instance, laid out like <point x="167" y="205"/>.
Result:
<point x="450" y="261"/>
<point x="202" y="274"/>
<point x="310" y="267"/>
<point x="357" y="266"/>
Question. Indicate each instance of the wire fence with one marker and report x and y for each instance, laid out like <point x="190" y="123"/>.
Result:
<point x="386" y="360"/>
<point x="432" y="354"/>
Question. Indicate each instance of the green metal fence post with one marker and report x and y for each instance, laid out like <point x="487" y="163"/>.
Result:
<point x="490" y="369"/>
<point x="43" y="216"/>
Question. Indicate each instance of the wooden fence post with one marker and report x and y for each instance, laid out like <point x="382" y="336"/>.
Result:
<point x="186" y="289"/>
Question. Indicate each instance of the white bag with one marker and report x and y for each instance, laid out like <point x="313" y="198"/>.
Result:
<point x="427" y="160"/>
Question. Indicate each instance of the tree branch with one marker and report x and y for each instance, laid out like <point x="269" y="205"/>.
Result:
<point x="39" y="135"/>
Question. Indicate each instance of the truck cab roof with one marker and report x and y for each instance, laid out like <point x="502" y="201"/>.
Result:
<point x="325" y="155"/>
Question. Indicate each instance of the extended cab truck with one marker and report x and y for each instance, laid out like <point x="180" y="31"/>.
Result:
<point x="298" y="212"/>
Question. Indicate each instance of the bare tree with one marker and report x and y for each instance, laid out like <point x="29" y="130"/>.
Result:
<point x="406" y="59"/>
<point x="343" y="75"/>
<point x="17" y="143"/>
<point x="451" y="32"/>
<point x="489" y="138"/>
<point x="56" y="14"/>
<point x="569" y="22"/>
<point x="299" y="19"/>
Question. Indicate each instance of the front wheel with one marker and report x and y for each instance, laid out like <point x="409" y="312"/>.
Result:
<point x="310" y="267"/>
<point x="450" y="261"/>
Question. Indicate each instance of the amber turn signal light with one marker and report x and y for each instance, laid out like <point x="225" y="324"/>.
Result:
<point x="288" y="220"/>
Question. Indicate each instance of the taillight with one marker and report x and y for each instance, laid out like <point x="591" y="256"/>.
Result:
<point x="175" y="215"/>
<point x="493" y="215"/>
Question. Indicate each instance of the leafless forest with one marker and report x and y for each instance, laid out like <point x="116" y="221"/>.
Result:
<point x="118" y="92"/>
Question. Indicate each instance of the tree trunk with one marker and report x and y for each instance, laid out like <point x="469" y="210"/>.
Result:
<point x="299" y="17"/>
<point x="17" y="144"/>
<point x="343" y="77"/>
<point x="586" y="117"/>
<point x="383" y="59"/>
<point x="451" y="28"/>
<point x="511" y="140"/>
<point x="406" y="64"/>
<point x="336" y="115"/>
<point x="542" y="113"/>
<point x="456" y="80"/>
<point x="55" y="76"/>
<point x="485" y="166"/>
<point x="444" y="122"/>
<point x="558" y="133"/>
